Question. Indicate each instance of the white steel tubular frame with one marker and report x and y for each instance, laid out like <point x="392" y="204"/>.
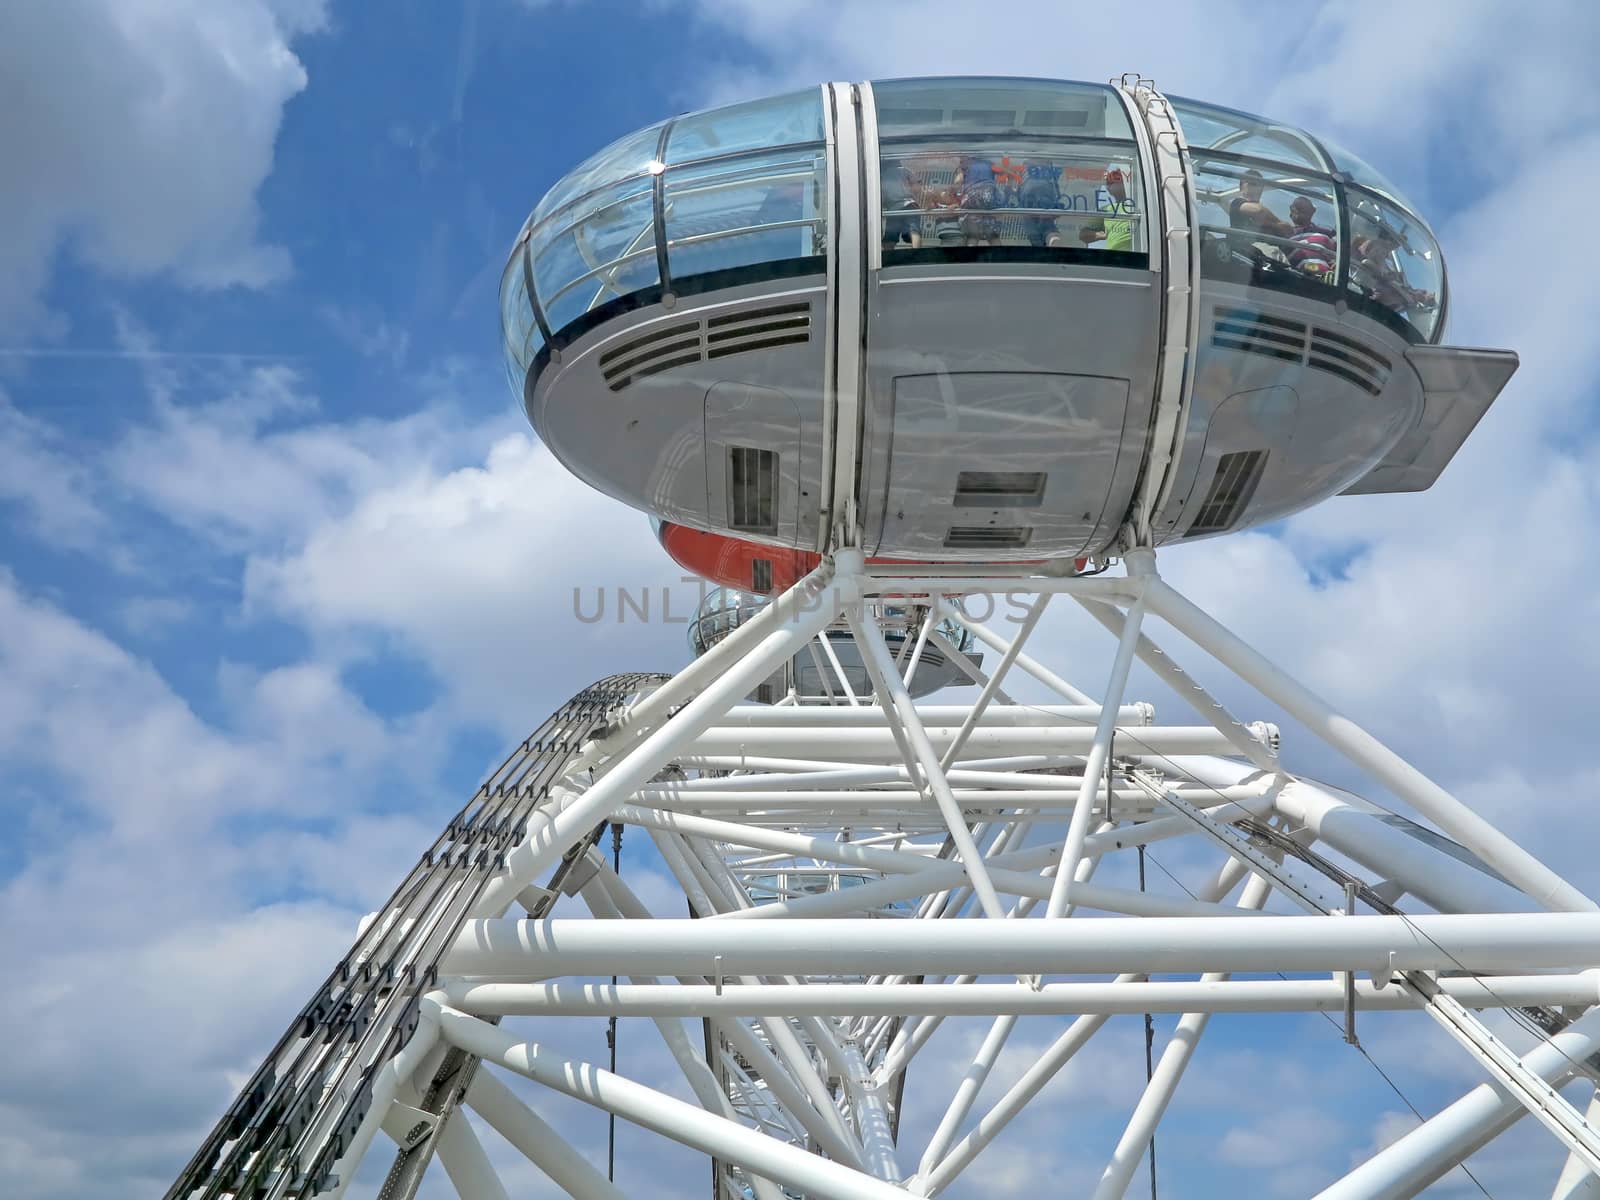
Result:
<point x="858" y="872"/>
<point x="847" y="909"/>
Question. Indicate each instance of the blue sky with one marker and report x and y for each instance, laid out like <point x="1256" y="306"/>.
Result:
<point x="282" y="569"/>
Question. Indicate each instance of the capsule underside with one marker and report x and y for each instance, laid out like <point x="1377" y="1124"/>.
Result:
<point x="954" y="320"/>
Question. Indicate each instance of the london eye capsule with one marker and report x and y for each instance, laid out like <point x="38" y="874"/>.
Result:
<point x="985" y="320"/>
<point x="833" y="669"/>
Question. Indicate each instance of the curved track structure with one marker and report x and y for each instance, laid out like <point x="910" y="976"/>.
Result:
<point x="789" y="373"/>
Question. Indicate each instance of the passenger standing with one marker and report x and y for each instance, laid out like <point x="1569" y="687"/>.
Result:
<point x="979" y="194"/>
<point x="1115" y="232"/>
<point x="1040" y="189"/>
<point x="901" y="220"/>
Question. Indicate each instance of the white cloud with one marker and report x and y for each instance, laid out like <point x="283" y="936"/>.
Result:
<point x="150" y="616"/>
<point x="368" y="333"/>
<point x="39" y="475"/>
<point x="474" y="570"/>
<point x="148" y="943"/>
<point x="431" y="538"/>
<point x="142" y="132"/>
<point x="250" y="470"/>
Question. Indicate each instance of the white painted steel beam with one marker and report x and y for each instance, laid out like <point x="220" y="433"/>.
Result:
<point x="877" y="744"/>
<point x="549" y="835"/>
<point x="1164" y="1079"/>
<point x="462" y="1157"/>
<point x="1105" y="732"/>
<point x="666" y="1115"/>
<point x="1344" y="735"/>
<point x="1036" y="716"/>
<point x="1491" y="942"/>
<point x="1428" y="1152"/>
<point x="538" y="1141"/>
<point x="986" y="999"/>
<point x="915" y="746"/>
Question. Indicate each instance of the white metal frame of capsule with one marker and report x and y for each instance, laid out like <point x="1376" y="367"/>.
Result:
<point x="950" y="823"/>
<point x="980" y="403"/>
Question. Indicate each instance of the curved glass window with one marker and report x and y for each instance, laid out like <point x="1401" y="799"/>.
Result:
<point x="1034" y="107"/>
<point x="715" y="198"/>
<point x="750" y="209"/>
<point x="1208" y="127"/>
<point x="1271" y="214"/>
<point x="623" y="159"/>
<point x="778" y="121"/>
<point x="519" y="332"/>
<point x="593" y="251"/>
<point x="1395" y="262"/>
<point x="946" y="194"/>
<point x="720" y="613"/>
<point x="1359" y="171"/>
<point x="1266" y="225"/>
<point x="1009" y="163"/>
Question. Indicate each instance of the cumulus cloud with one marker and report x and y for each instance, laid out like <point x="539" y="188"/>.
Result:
<point x="171" y="906"/>
<point x="174" y="848"/>
<point x="40" y="477"/>
<point x="142" y="132"/>
<point x="477" y="572"/>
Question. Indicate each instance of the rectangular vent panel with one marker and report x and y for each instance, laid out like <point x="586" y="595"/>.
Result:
<point x="758" y="329"/>
<point x="761" y="576"/>
<point x="1231" y="488"/>
<point x="1349" y="359"/>
<point x="752" y="489"/>
<point x="654" y="352"/>
<point x="1291" y="341"/>
<point x="686" y="342"/>
<point x="986" y="537"/>
<point x="999" y="489"/>
<point x="1257" y="333"/>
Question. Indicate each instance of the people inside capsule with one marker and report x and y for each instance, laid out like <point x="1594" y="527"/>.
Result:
<point x="901" y="222"/>
<point x="1373" y="264"/>
<point x="1247" y="212"/>
<point x="1316" y="251"/>
<point x="1040" y="188"/>
<point x="977" y="194"/>
<point x="1112" y="232"/>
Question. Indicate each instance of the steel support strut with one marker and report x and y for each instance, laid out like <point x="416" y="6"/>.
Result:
<point x="861" y="870"/>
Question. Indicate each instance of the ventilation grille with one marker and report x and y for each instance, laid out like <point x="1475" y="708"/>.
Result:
<point x="761" y="576"/>
<point x="1287" y="340"/>
<point x="752" y="490"/>
<point x="780" y="325"/>
<point x="1231" y="488"/>
<point x="1349" y="360"/>
<point x="689" y="342"/>
<point x="654" y="352"/>
<point x="986" y="537"/>
<point x="999" y="489"/>
<point x="1257" y="333"/>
